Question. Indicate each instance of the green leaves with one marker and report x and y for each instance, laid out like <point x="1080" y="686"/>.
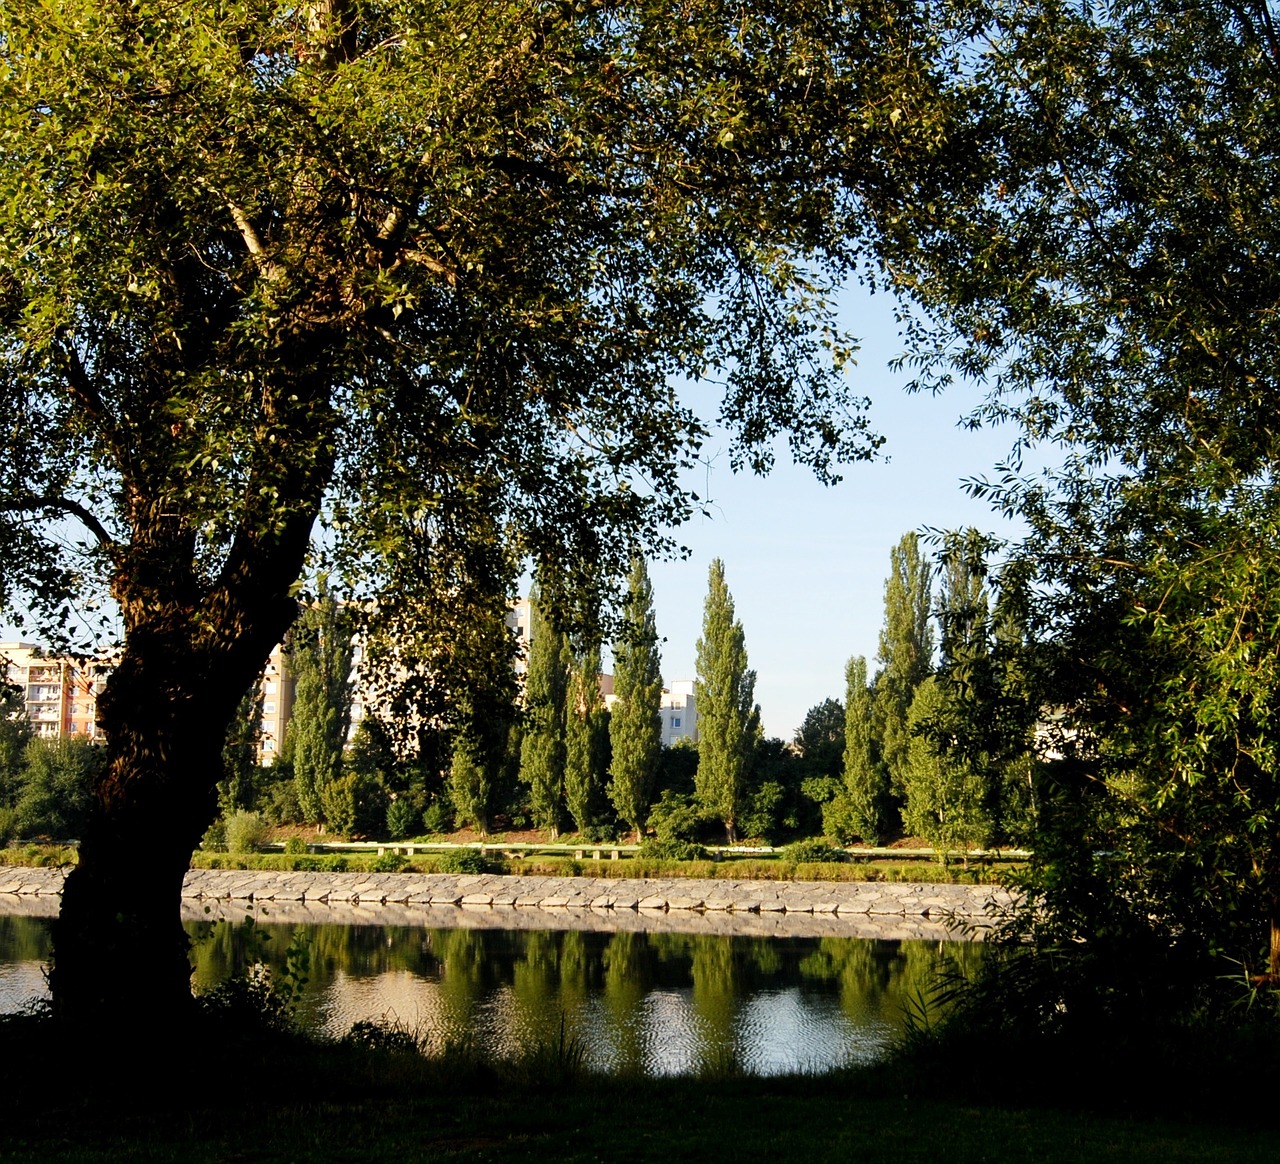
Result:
<point x="728" y="719"/>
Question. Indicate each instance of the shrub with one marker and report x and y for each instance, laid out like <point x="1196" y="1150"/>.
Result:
<point x="463" y="861"/>
<point x="402" y="818"/>
<point x="675" y="817"/>
<point x="246" y="832"/>
<point x="385" y="1035"/>
<point x="599" y="833"/>
<point x="354" y="805"/>
<point x="8" y="824"/>
<point x="672" y="849"/>
<point x="839" y="820"/>
<point x="811" y="851"/>
<point x="279" y="800"/>
<point x="764" y="807"/>
<point x="296" y="846"/>
<point x="438" y="817"/>
<point x="215" y="838"/>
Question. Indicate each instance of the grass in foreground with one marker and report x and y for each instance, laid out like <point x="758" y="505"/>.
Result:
<point x="275" y="1097"/>
<point x="668" y="1122"/>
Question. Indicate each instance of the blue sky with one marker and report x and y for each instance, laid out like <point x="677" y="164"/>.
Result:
<point x="806" y="563"/>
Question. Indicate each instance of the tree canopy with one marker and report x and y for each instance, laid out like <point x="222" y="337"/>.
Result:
<point x="421" y="272"/>
<point x="1111" y="278"/>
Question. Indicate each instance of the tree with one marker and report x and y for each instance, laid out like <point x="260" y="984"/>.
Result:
<point x="635" y="725"/>
<point x="820" y="738"/>
<point x="57" y="787"/>
<point x="586" y="758"/>
<point x="546" y="688"/>
<point x="240" y="757"/>
<point x="15" y="734"/>
<point x="906" y="653"/>
<point x="409" y="270"/>
<point x="484" y="719"/>
<point x="864" y="804"/>
<point x="472" y="780"/>
<point x="945" y="795"/>
<point x="1109" y="276"/>
<point x="727" y="715"/>
<point x="320" y="655"/>
<point x="951" y="784"/>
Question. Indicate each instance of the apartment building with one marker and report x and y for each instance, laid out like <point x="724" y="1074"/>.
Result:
<point x="679" y="713"/>
<point x="278" y="689"/>
<point x="61" y="693"/>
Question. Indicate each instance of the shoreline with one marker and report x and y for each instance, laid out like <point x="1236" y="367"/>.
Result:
<point x="891" y="910"/>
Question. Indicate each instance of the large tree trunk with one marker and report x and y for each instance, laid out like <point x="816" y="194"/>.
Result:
<point x="120" y="952"/>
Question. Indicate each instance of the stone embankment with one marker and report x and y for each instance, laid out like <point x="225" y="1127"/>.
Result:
<point x="764" y="908"/>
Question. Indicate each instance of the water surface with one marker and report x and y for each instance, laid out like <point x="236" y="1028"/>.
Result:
<point x="634" y="1001"/>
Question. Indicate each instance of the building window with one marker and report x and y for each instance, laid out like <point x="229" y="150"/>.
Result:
<point x="675" y="721"/>
<point x="269" y="708"/>
<point x="268" y="745"/>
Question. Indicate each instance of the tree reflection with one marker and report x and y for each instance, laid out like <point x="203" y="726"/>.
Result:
<point x="499" y="991"/>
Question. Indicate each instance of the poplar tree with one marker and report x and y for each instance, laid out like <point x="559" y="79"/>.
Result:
<point x="866" y="788"/>
<point x="952" y="782"/>
<point x="542" y="751"/>
<point x="479" y="750"/>
<point x="727" y="718"/>
<point x="320" y="657"/>
<point x="945" y="792"/>
<point x="906" y="653"/>
<point x="635" y="725"/>
<point x="240" y="754"/>
<point x="586" y="740"/>
<point x="964" y="607"/>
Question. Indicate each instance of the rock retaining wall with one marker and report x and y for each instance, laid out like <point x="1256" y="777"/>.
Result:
<point x="764" y="908"/>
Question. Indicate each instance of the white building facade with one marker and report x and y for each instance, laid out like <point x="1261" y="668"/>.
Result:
<point x="679" y="713"/>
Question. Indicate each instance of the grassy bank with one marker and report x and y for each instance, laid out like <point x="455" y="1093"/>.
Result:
<point x="733" y="869"/>
<point x="289" y="1102"/>
<point x="738" y="869"/>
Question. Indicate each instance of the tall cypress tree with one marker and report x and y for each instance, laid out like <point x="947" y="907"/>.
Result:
<point x="906" y="653"/>
<point x="479" y="752"/>
<point x="542" y="751"/>
<point x="586" y="740"/>
<point x="725" y="693"/>
<point x="945" y="791"/>
<point x="635" y="726"/>
<point x="866" y="788"/>
<point x="320" y="655"/>
<point x="952" y="788"/>
<point x="240" y="754"/>
<point x="964" y="607"/>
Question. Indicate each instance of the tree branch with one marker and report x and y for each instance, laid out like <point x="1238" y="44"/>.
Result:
<point x="62" y="505"/>
<point x="270" y="269"/>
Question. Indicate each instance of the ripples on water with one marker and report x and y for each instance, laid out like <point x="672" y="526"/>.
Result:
<point x="652" y="1002"/>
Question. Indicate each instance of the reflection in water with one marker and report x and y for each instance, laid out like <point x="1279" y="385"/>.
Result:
<point x="653" y="1002"/>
